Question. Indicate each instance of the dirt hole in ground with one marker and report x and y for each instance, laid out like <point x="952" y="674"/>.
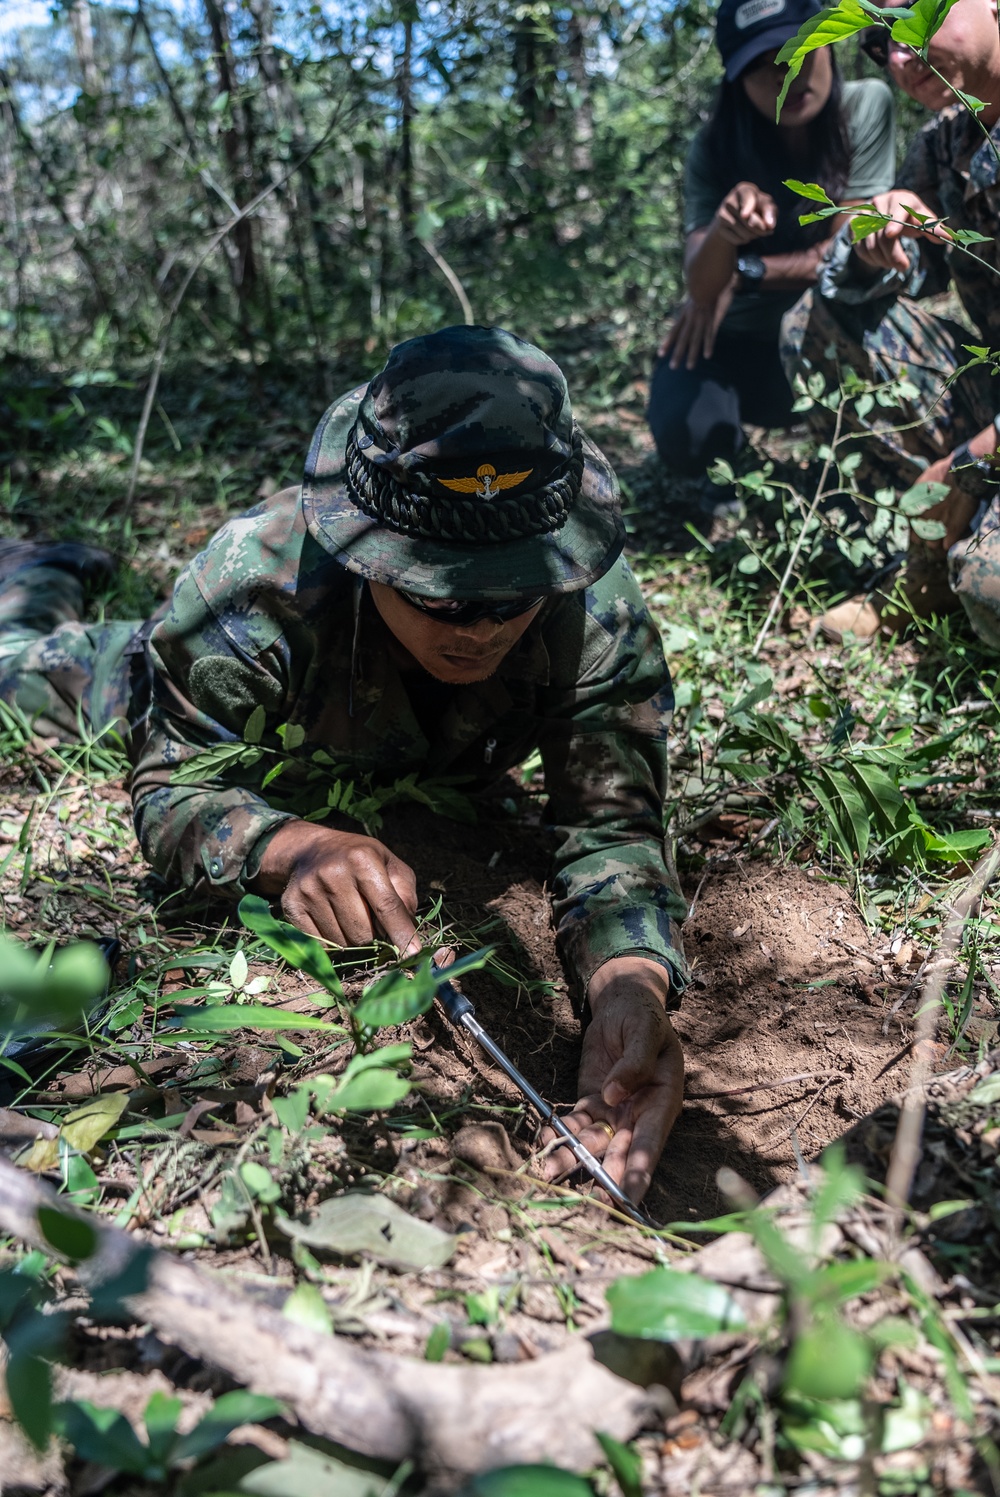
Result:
<point x="786" y="982"/>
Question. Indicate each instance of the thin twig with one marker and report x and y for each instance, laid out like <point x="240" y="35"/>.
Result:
<point x="772" y="612"/>
<point x="907" y="1144"/>
<point x="759" y="1086"/>
<point x="780" y="1138"/>
<point x="453" y="281"/>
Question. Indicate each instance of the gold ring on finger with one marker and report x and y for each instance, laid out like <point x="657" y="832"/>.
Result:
<point x="609" y="1130"/>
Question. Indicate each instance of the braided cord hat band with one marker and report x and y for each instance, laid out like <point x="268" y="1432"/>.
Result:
<point x="514" y="516"/>
<point x="362" y="525"/>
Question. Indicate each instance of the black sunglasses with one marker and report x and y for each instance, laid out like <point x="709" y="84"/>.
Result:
<point x="456" y="611"/>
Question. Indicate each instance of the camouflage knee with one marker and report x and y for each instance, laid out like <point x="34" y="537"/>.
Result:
<point x="76" y="679"/>
<point x="974" y="566"/>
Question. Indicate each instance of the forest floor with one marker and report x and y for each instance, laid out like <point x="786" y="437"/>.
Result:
<point x="798" y="1029"/>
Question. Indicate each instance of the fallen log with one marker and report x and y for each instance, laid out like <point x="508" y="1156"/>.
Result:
<point x="452" y="1421"/>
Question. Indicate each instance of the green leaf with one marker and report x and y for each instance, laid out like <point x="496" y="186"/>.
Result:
<point x="292" y="735"/>
<point x="976" y="106"/>
<point x="919" y="22"/>
<point x="260" y="1182"/>
<point x="753" y="698"/>
<point x="828" y="1361"/>
<point x="847" y="808"/>
<point x="624" y="1461"/>
<point x="748" y="564"/>
<point x="928" y="530"/>
<point x="225" y="1415"/>
<point x="922" y="496"/>
<point x="438" y="1342"/>
<point x="305" y="1472"/>
<point x="840" y="1282"/>
<point x="219" y="1019"/>
<point x="816" y="194"/>
<point x="71" y="1236"/>
<point x="354" y="1224"/>
<point x="840" y="1186"/>
<point x="986" y="1093"/>
<point x="239" y="970"/>
<point x="29" y="1390"/>
<point x="955" y="847"/>
<point x="292" y="1111"/>
<point x="214" y="761"/>
<point x="85" y="1126"/>
<point x="375" y="1091"/>
<point x="306" y="1306"/>
<point x="256" y="722"/>
<point x="160" y="1418"/>
<point x="941" y="1209"/>
<point x="831" y="25"/>
<point x="667" y="1305"/>
<point x="103" y="1436"/>
<point x="527" y="1481"/>
<point x="393" y="1000"/>
<point x="863" y="224"/>
<point x="299" y="950"/>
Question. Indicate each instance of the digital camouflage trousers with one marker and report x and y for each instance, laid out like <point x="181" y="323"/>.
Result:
<point x="892" y="340"/>
<point x="67" y="677"/>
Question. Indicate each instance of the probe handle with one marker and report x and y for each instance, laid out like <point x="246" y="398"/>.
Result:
<point x="454" y="1002"/>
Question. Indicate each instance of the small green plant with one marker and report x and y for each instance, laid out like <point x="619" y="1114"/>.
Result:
<point x="825" y="1360"/>
<point x="853" y="797"/>
<point x="320" y="781"/>
<point x="107" y="1438"/>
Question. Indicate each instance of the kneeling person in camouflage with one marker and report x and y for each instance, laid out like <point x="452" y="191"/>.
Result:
<point x="868" y="315"/>
<point x="443" y="594"/>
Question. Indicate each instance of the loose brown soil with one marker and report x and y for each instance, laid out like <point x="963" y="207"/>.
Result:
<point x="786" y="982"/>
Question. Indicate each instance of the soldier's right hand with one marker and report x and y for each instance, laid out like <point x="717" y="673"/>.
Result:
<point x="745" y="213"/>
<point x="885" y="250"/>
<point x="343" y="887"/>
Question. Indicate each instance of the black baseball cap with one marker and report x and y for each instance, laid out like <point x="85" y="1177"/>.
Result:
<point x="746" y="28"/>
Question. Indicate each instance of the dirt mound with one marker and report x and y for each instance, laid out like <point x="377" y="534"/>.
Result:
<point x="782" y="969"/>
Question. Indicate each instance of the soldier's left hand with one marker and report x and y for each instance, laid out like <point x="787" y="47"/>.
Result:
<point x="955" y="511"/>
<point x="631" y="1075"/>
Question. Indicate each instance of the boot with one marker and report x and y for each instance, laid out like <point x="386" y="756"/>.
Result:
<point x="922" y="591"/>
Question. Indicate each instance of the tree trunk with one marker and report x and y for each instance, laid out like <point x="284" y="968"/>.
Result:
<point x="238" y="159"/>
<point x="83" y="39"/>
<point x="404" y="89"/>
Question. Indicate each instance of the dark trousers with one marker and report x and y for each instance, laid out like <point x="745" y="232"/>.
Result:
<point x="697" y="415"/>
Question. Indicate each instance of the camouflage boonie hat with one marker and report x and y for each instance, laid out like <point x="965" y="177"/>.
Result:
<point x="459" y="472"/>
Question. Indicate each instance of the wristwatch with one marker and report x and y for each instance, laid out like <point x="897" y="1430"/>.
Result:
<point x="751" y="270"/>
<point x="964" y="457"/>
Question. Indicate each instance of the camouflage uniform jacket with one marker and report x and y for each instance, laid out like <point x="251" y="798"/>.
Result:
<point x="954" y="169"/>
<point x="264" y="616"/>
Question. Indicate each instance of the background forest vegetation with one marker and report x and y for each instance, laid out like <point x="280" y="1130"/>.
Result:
<point x="306" y="184"/>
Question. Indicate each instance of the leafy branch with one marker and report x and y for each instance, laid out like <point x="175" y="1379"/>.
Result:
<point x="912" y="26"/>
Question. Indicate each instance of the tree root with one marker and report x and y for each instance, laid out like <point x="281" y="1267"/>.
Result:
<point x="452" y="1421"/>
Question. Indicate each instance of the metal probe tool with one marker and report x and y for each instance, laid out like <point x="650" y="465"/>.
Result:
<point x="461" y="1012"/>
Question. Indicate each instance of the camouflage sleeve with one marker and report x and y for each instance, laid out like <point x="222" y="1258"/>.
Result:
<point x="604" y="751"/>
<point x="204" y="689"/>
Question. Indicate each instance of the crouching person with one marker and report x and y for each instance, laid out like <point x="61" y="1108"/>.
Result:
<point x="867" y="315"/>
<point x="443" y="594"/>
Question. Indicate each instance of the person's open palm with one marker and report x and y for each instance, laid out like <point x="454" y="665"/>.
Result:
<point x="631" y="1077"/>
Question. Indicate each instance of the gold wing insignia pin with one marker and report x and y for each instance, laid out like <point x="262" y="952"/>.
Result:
<point x="487" y="481"/>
